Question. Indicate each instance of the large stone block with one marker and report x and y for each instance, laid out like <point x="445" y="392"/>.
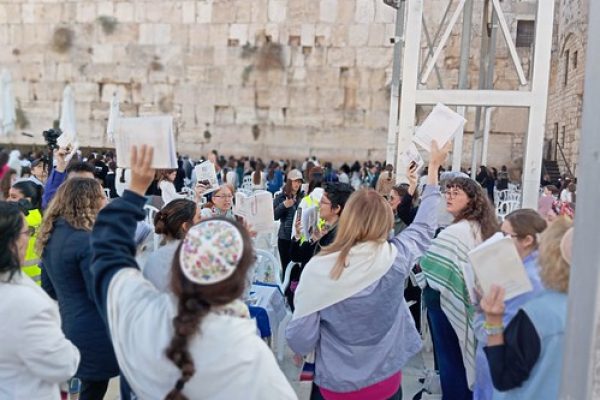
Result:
<point x="385" y="13"/>
<point x="218" y="35"/>
<point x="238" y="32"/>
<point x="86" y="11"/>
<point x="339" y="36"/>
<point x="307" y="35"/>
<point x="341" y="57"/>
<point x="365" y="11"/>
<point x="223" y="12"/>
<point x="105" y="8"/>
<point x="188" y="12"/>
<point x="155" y="34"/>
<point x="358" y="35"/>
<point x="346" y="11"/>
<point x="124" y="12"/>
<point x="373" y="57"/>
<point x="328" y="10"/>
<point x="204" y="11"/>
<point x="85" y="91"/>
<point x="277" y="10"/>
<point x="102" y="53"/>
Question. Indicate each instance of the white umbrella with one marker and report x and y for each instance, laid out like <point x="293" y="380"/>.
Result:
<point x="8" y="114"/>
<point x="67" y="119"/>
<point x="113" y="115"/>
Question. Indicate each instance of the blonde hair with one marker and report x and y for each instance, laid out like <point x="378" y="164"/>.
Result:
<point x="554" y="269"/>
<point x="78" y="201"/>
<point x="367" y="217"/>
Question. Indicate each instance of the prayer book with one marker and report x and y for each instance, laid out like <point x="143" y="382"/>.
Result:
<point x="256" y="209"/>
<point x="440" y="125"/>
<point x="411" y="154"/>
<point x="207" y="175"/>
<point x="496" y="262"/>
<point x="156" y="132"/>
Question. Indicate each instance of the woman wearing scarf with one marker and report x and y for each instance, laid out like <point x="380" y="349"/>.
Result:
<point x="524" y="227"/>
<point x="350" y="307"/>
<point x="446" y="267"/>
<point x="198" y="342"/>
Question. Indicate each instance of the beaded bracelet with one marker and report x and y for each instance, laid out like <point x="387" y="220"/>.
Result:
<point x="491" y="330"/>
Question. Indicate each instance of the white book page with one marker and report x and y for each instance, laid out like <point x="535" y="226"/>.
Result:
<point x="496" y="262"/>
<point x="205" y="171"/>
<point x="440" y="125"/>
<point x="256" y="209"/>
<point x="310" y="218"/>
<point x="156" y="132"/>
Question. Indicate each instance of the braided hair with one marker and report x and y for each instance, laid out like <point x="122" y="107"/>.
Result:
<point x="194" y="303"/>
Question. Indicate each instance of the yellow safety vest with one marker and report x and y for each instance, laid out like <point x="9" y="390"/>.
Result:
<point x="30" y="267"/>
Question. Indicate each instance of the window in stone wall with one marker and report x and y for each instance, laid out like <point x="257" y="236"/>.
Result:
<point x="567" y="60"/>
<point x="525" y="33"/>
<point x="575" y="56"/>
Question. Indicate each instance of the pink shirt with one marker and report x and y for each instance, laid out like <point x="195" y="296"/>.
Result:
<point x="380" y="391"/>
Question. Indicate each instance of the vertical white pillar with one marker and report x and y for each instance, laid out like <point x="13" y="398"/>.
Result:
<point x="412" y="46"/>
<point x="532" y="165"/>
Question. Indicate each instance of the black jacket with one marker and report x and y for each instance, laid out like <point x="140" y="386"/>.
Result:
<point x="285" y="215"/>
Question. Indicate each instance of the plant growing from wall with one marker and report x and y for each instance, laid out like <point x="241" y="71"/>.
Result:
<point x="255" y="132"/>
<point x="21" y="122"/>
<point x="207" y="134"/>
<point x="165" y="104"/>
<point x="62" y="39"/>
<point x="269" y="57"/>
<point x="108" y="23"/>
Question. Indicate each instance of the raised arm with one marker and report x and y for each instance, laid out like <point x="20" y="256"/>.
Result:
<point x="414" y="240"/>
<point x="113" y="243"/>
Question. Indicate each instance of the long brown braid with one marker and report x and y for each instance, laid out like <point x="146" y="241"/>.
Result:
<point x="195" y="302"/>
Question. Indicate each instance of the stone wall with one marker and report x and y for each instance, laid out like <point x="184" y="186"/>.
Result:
<point x="276" y="78"/>
<point x="567" y="81"/>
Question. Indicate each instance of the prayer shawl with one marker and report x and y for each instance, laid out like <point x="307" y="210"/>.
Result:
<point x="366" y="264"/>
<point x="446" y="267"/>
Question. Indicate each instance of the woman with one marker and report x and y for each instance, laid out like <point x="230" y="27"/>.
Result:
<point x="9" y="178"/>
<point x="198" y="343"/>
<point x="220" y="203"/>
<point x="386" y="181"/>
<point x="274" y="178"/>
<point x="167" y="187"/>
<point x="35" y="356"/>
<point x="39" y="172"/>
<point x="546" y="202"/>
<point x="258" y="178"/>
<point x="64" y="242"/>
<point x="524" y="227"/>
<point x="402" y="199"/>
<point x="449" y="309"/>
<point x="526" y="356"/>
<point x="284" y="209"/>
<point x="29" y="194"/>
<point x="172" y="222"/>
<point x="349" y="304"/>
<point x="331" y="205"/>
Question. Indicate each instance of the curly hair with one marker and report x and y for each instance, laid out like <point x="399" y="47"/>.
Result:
<point x="478" y="209"/>
<point x="554" y="269"/>
<point x="78" y="201"/>
<point x="195" y="302"/>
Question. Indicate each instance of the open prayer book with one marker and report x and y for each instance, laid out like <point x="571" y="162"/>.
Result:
<point x="440" y="125"/>
<point x="156" y="132"/>
<point x="206" y="174"/>
<point x="411" y="154"/>
<point x="256" y="209"/>
<point x="496" y="262"/>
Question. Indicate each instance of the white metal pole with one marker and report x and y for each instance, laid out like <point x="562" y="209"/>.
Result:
<point x="395" y="84"/>
<point x="486" y="134"/>
<point x="410" y="70"/>
<point x="580" y="373"/>
<point x="532" y="165"/>
<point x="463" y="79"/>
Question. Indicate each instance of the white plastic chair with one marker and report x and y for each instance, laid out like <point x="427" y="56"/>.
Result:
<point x="267" y="268"/>
<point x="506" y="207"/>
<point x="150" y="213"/>
<point x="247" y="183"/>
<point x="189" y="193"/>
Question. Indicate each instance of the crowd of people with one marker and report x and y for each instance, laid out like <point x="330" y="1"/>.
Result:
<point x="87" y="299"/>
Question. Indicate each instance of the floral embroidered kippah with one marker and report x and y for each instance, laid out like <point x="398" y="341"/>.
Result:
<point x="211" y="251"/>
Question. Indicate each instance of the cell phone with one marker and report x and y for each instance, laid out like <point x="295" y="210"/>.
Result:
<point x="205" y="182"/>
<point x="412" y="165"/>
<point x="299" y="214"/>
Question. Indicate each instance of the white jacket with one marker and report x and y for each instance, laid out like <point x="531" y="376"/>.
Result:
<point x="230" y="359"/>
<point x="35" y="356"/>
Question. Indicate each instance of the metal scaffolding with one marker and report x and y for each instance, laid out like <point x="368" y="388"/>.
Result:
<point x="535" y="99"/>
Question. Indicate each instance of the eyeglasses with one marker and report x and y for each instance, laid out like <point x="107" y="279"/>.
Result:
<point x="452" y="193"/>
<point x="512" y="235"/>
<point x="224" y="196"/>
<point x="30" y="231"/>
<point x="326" y="203"/>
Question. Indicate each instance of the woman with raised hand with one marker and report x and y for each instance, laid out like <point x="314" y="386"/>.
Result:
<point x="350" y="307"/>
<point x="524" y="227"/>
<point x="64" y="243"/>
<point x="220" y="203"/>
<point x="198" y="343"/>
<point x="526" y="356"/>
<point x="35" y="356"/>
<point x="449" y="307"/>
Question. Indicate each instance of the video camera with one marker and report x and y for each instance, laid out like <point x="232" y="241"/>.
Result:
<point x="51" y="137"/>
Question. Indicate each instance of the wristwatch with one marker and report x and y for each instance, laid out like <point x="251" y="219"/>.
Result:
<point x="492" y="330"/>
